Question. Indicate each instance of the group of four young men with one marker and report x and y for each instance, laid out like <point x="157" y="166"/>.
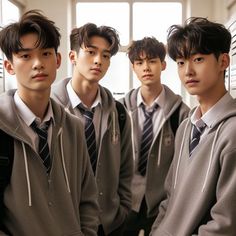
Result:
<point x="85" y="177"/>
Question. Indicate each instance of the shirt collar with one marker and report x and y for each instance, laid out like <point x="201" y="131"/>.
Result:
<point x="27" y="115"/>
<point x="210" y="116"/>
<point x="75" y="100"/>
<point x="160" y="100"/>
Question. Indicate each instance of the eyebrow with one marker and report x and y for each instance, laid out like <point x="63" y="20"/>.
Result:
<point x="104" y="50"/>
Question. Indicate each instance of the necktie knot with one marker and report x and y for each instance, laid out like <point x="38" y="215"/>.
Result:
<point x="38" y="129"/>
<point x="149" y="114"/>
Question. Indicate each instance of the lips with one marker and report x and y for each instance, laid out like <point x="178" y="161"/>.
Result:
<point x="98" y="70"/>
<point x="191" y="82"/>
<point x="40" y="75"/>
<point x="147" y="75"/>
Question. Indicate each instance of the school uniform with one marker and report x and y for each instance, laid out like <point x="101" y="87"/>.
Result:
<point x="114" y="166"/>
<point x="148" y="191"/>
<point x="61" y="201"/>
<point x="201" y="187"/>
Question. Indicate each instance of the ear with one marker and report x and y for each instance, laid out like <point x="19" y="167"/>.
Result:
<point x="224" y="61"/>
<point x="163" y="65"/>
<point x="9" y="67"/>
<point x="73" y="56"/>
<point x="58" y="60"/>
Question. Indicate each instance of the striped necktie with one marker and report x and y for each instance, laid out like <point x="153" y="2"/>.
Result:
<point x="43" y="148"/>
<point x="146" y="139"/>
<point x="90" y="136"/>
<point x="196" y="134"/>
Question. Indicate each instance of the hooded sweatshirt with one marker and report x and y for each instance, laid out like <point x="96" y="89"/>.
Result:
<point x="114" y="162"/>
<point x="202" y="188"/>
<point x="161" y="151"/>
<point x="60" y="203"/>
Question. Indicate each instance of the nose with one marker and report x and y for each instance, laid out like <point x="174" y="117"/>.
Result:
<point x="189" y="69"/>
<point x="98" y="59"/>
<point x="146" y="66"/>
<point x="38" y="64"/>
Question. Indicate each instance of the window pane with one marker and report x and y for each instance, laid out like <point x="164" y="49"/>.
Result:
<point x="117" y="76"/>
<point x="115" y="15"/>
<point x="10" y="13"/>
<point x="154" y="19"/>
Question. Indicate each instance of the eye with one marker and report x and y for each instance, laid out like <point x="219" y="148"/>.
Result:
<point x="138" y="63"/>
<point x="25" y="56"/>
<point x="47" y="53"/>
<point x="198" y="59"/>
<point x="107" y="56"/>
<point x="90" y="51"/>
<point x="180" y="63"/>
<point x="152" y="61"/>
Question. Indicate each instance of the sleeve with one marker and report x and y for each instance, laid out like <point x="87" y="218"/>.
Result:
<point x="88" y="205"/>
<point x="126" y="167"/>
<point x="223" y="212"/>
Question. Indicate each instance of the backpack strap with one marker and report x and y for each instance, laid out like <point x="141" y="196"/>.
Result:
<point x="174" y="120"/>
<point x="6" y="161"/>
<point x="121" y="115"/>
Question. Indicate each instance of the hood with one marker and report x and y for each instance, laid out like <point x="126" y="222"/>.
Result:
<point x="174" y="100"/>
<point x="59" y="93"/>
<point x="10" y="123"/>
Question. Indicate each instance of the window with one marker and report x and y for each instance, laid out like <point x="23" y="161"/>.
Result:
<point x="10" y="13"/>
<point x="132" y="20"/>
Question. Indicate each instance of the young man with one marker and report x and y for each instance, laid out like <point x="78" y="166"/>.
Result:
<point x="156" y="113"/>
<point x="51" y="190"/>
<point x="201" y="186"/>
<point x="110" y="149"/>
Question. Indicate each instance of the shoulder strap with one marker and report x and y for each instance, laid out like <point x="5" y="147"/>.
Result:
<point x="6" y="161"/>
<point x="121" y="115"/>
<point x="174" y="120"/>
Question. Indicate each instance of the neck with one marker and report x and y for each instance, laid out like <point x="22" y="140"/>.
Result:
<point x="149" y="94"/>
<point x="37" y="103"/>
<point x="87" y="92"/>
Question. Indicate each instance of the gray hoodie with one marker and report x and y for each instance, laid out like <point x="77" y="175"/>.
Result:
<point x="115" y="165"/>
<point x="202" y="189"/>
<point x="61" y="203"/>
<point x="161" y="151"/>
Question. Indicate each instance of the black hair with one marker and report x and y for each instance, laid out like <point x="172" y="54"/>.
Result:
<point x="150" y="45"/>
<point x="198" y="35"/>
<point x="30" y="22"/>
<point x="81" y="36"/>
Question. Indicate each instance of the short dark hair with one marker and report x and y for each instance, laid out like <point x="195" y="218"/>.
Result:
<point x="81" y="36"/>
<point x="30" y="22"/>
<point x="150" y="45"/>
<point x="197" y="35"/>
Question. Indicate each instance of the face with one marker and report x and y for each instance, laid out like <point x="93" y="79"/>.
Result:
<point x="35" y="68"/>
<point x="148" y="71"/>
<point x="91" y="63"/>
<point x="203" y="75"/>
